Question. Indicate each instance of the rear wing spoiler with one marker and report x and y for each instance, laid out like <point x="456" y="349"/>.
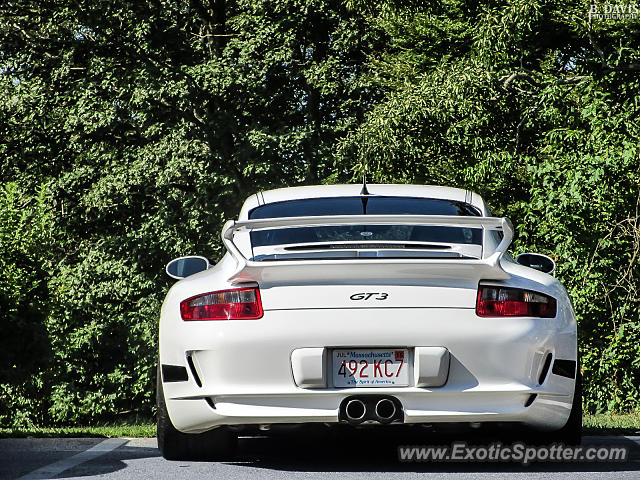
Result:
<point x="488" y="267"/>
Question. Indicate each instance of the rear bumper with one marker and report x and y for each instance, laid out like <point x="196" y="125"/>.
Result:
<point x="548" y="411"/>
<point x="246" y="375"/>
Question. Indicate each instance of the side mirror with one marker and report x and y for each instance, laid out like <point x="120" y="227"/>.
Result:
<point x="184" y="266"/>
<point x="537" y="261"/>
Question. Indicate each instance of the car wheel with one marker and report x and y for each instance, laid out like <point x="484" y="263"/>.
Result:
<point x="571" y="433"/>
<point x="217" y="444"/>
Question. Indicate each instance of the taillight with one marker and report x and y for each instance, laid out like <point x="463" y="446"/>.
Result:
<point x="236" y="304"/>
<point x="513" y="302"/>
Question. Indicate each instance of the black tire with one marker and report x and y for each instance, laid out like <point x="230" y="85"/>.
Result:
<point x="571" y="433"/>
<point x="217" y="444"/>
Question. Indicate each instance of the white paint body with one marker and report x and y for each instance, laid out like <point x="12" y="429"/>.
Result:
<point x="277" y="369"/>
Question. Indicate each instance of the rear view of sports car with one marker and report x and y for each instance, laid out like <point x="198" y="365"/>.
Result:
<point x="364" y="306"/>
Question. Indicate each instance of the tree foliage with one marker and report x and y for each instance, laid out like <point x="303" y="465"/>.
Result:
<point x="25" y="236"/>
<point x="535" y="107"/>
<point x="130" y="130"/>
<point x="151" y="122"/>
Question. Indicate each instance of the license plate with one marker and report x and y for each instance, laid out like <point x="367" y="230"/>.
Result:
<point x="388" y="367"/>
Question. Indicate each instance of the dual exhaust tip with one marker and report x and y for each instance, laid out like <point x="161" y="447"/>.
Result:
<point x="380" y="409"/>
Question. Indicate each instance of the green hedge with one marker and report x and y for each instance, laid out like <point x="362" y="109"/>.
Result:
<point x="129" y="131"/>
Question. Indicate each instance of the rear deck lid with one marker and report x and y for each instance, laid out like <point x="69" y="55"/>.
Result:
<point x="356" y="297"/>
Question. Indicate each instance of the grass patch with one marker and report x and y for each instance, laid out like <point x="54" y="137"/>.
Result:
<point x="106" y="431"/>
<point x="611" y="423"/>
<point x="600" y="424"/>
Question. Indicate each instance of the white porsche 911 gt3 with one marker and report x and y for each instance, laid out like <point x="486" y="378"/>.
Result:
<point x="378" y="304"/>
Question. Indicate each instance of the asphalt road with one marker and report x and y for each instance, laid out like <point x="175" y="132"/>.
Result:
<point x="286" y="455"/>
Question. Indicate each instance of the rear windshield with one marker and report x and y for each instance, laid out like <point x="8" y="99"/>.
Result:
<point x="363" y="206"/>
<point x="377" y="205"/>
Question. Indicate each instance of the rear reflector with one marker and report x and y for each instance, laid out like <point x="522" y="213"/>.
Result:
<point x="236" y="304"/>
<point x="513" y="302"/>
